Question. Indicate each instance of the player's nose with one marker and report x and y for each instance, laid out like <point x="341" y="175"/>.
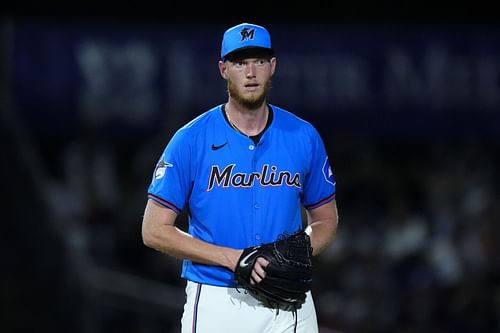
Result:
<point x="250" y="70"/>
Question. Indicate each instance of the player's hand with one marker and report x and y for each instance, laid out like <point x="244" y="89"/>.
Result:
<point x="277" y="273"/>
<point x="259" y="270"/>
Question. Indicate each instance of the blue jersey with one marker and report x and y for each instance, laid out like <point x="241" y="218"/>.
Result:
<point x="239" y="193"/>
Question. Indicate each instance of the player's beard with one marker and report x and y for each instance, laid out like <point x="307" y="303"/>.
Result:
<point x="251" y="102"/>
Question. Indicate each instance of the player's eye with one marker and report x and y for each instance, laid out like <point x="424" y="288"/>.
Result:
<point x="239" y="64"/>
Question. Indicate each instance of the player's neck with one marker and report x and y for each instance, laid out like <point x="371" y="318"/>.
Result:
<point x="248" y="122"/>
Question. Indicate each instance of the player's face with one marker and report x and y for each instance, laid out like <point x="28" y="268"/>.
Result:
<point x="249" y="80"/>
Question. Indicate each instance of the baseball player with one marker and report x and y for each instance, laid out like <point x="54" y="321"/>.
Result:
<point x="243" y="169"/>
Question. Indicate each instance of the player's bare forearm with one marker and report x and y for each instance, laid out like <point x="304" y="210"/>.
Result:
<point x="322" y="226"/>
<point x="175" y="242"/>
<point x="160" y="233"/>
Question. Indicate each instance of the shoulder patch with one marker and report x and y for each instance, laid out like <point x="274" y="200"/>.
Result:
<point x="327" y="172"/>
<point x="160" y="169"/>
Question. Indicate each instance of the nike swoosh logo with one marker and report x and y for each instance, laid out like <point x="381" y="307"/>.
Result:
<point x="214" y="147"/>
<point x="243" y="262"/>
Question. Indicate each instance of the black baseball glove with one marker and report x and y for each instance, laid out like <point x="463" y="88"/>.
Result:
<point x="288" y="275"/>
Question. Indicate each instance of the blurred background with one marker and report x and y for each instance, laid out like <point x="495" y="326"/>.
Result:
<point x="406" y="99"/>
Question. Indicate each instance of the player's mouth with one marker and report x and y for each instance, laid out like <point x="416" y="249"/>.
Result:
<point x="252" y="86"/>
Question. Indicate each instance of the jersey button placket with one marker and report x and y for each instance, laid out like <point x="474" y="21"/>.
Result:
<point x="255" y="191"/>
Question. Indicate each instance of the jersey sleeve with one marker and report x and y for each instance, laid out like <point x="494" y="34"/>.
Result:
<point x="320" y="184"/>
<point x="170" y="184"/>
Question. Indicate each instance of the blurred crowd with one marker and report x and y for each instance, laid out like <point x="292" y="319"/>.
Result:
<point x="418" y="240"/>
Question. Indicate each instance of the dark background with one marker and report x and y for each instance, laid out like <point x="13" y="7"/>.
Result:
<point x="405" y="94"/>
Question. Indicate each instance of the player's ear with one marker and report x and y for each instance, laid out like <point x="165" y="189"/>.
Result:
<point x="273" y="65"/>
<point x="223" y="69"/>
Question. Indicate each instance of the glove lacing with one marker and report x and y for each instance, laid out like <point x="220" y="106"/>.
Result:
<point x="294" y="312"/>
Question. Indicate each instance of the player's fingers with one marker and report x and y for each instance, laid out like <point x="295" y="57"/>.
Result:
<point x="262" y="262"/>
<point x="254" y="278"/>
<point x="258" y="272"/>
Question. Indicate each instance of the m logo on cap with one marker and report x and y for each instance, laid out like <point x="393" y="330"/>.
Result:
<point x="247" y="34"/>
